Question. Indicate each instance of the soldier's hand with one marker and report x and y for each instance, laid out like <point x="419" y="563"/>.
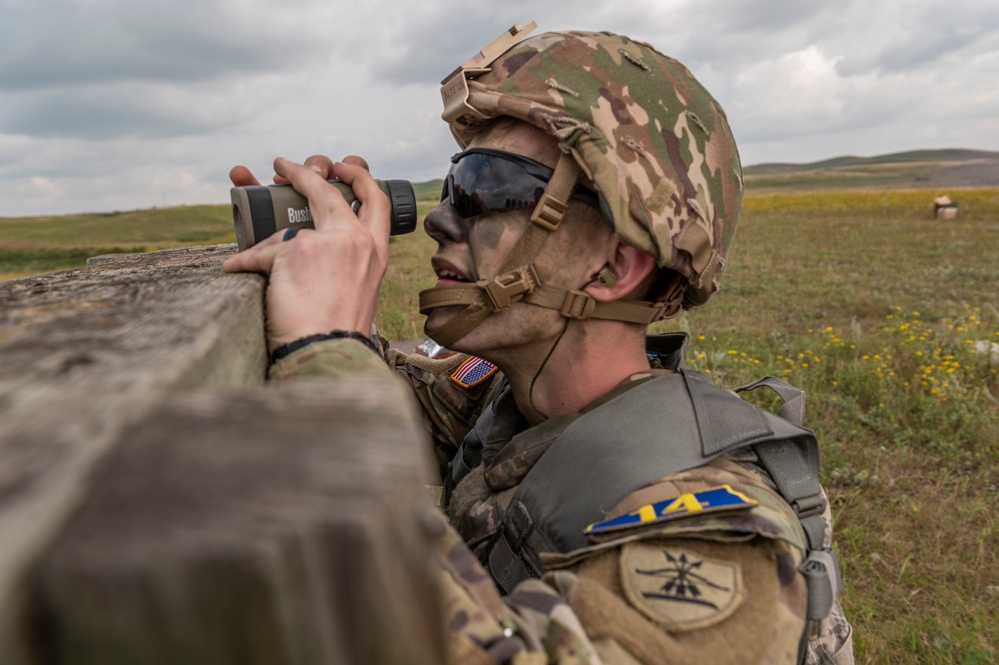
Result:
<point x="321" y="164"/>
<point x="325" y="278"/>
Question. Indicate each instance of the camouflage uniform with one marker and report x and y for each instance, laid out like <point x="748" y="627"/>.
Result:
<point x="698" y="586"/>
<point x="591" y="606"/>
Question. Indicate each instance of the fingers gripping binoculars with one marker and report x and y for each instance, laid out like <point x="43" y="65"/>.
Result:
<point x="259" y="211"/>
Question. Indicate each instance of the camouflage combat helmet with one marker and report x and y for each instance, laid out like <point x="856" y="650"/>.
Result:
<point x="655" y="144"/>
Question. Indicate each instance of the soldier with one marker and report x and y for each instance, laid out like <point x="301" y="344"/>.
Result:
<point x="612" y="505"/>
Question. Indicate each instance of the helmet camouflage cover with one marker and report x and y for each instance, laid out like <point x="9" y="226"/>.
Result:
<point x="655" y="143"/>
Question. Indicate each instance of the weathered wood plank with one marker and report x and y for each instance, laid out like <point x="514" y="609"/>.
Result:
<point x="283" y="524"/>
<point x="85" y="352"/>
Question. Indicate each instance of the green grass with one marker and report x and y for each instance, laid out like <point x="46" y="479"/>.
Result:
<point x="861" y="298"/>
<point x="430" y="190"/>
<point x="39" y="244"/>
<point x="19" y="261"/>
<point x="874" y="308"/>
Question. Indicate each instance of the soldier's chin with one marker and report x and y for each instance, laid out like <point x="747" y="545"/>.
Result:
<point x="438" y="318"/>
<point x="469" y="343"/>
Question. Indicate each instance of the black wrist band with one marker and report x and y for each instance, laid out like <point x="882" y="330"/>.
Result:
<point x="291" y="347"/>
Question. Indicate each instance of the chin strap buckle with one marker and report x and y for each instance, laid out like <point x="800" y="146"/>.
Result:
<point x="510" y="287"/>
<point x="550" y="212"/>
<point x="577" y="305"/>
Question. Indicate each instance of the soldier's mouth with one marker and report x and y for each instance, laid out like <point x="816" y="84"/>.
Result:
<point x="448" y="273"/>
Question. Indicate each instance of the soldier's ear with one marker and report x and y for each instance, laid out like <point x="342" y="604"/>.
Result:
<point x="625" y="270"/>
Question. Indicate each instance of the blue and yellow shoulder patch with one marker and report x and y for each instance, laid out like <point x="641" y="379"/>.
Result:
<point x="711" y="500"/>
<point x="472" y="372"/>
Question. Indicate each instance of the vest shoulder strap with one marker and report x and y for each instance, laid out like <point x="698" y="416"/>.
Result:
<point x="665" y="425"/>
<point x="796" y="474"/>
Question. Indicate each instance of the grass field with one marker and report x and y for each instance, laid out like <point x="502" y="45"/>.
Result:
<point x="861" y="298"/>
<point x="41" y="244"/>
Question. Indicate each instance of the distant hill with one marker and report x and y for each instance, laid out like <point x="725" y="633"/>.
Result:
<point x="916" y="168"/>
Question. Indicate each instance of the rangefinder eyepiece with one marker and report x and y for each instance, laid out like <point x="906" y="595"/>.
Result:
<point x="259" y="211"/>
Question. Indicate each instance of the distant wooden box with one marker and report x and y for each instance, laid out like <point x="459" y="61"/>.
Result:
<point x="944" y="208"/>
<point x="161" y="504"/>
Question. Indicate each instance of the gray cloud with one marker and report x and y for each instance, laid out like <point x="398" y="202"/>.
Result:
<point x="740" y="18"/>
<point x="425" y="46"/>
<point x="446" y="39"/>
<point x="729" y="36"/>
<point x="111" y="104"/>
<point x="74" y="43"/>
<point x="927" y="35"/>
<point x="96" y="118"/>
<point x="103" y="112"/>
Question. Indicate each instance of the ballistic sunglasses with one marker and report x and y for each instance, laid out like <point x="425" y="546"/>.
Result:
<point x="482" y="181"/>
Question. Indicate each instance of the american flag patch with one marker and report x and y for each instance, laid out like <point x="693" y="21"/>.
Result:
<point x="473" y="372"/>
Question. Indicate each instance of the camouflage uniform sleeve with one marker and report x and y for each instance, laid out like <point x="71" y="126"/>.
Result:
<point x="333" y="357"/>
<point x="534" y="626"/>
<point x="449" y="407"/>
<point x="706" y="587"/>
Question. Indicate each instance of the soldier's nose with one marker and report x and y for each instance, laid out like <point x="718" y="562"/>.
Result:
<point x="444" y="225"/>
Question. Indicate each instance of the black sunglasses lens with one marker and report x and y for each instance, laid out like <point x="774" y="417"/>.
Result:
<point x="481" y="183"/>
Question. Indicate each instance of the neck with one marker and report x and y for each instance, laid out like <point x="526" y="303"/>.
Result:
<point x="586" y="364"/>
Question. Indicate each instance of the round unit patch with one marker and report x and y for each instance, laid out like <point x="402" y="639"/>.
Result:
<point x="679" y="588"/>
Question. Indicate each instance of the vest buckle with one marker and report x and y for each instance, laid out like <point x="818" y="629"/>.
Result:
<point x="808" y="506"/>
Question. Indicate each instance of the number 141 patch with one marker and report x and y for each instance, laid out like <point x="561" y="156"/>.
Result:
<point x="715" y="499"/>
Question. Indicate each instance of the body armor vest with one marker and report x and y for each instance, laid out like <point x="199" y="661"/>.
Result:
<point x="663" y="425"/>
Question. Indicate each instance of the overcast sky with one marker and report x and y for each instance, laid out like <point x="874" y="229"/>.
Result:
<point x="123" y="104"/>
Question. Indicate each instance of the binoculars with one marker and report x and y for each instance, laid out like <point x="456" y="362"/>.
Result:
<point x="259" y="211"/>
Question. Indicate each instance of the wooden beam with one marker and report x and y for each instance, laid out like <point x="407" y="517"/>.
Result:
<point x="277" y="525"/>
<point x="84" y="353"/>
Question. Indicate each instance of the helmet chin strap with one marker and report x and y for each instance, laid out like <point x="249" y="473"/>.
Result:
<point x="518" y="279"/>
